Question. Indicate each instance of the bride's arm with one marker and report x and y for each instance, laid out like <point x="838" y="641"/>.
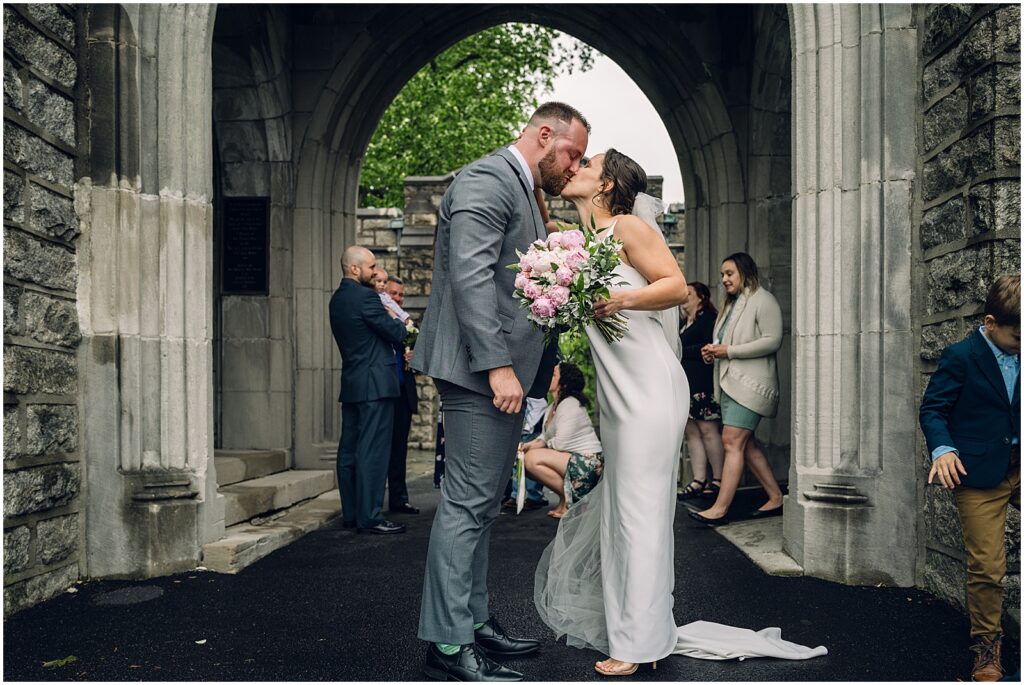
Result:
<point x="649" y="254"/>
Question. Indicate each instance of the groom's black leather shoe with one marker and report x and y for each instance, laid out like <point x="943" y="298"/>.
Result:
<point x="469" y="664"/>
<point x="493" y="640"/>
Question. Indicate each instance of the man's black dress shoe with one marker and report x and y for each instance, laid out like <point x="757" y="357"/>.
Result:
<point x="493" y="640"/>
<point x="710" y="522"/>
<point x="403" y="508"/>
<point x="383" y="528"/>
<point x="469" y="664"/>
<point x="762" y="514"/>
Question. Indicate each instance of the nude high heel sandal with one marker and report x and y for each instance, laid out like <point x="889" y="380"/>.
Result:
<point x="631" y="671"/>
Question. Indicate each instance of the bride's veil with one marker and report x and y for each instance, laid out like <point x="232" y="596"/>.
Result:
<point x="647" y="208"/>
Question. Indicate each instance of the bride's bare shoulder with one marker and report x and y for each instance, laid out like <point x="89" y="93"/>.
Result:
<point x="628" y="226"/>
<point x="629" y="223"/>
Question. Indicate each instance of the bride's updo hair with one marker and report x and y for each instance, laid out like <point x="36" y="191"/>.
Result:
<point x="628" y="178"/>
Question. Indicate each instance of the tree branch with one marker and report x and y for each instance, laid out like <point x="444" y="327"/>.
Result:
<point x="471" y="57"/>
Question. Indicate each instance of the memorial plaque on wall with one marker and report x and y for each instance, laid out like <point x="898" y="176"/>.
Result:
<point x="245" y="260"/>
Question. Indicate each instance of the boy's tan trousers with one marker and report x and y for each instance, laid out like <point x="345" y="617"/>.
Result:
<point x="983" y="518"/>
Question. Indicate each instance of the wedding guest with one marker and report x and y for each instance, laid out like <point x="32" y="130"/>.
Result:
<point x="566" y="457"/>
<point x="380" y="282"/>
<point x="439" y="449"/>
<point x="406" y="404"/>
<point x="366" y="337"/>
<point x="748" y="333"/>
<point x="970" y="416"/>
<point x="703" y="434"/>
<point x="533" y="418"/>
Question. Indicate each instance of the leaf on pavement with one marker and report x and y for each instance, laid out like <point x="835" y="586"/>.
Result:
<point x="57" y="663"/>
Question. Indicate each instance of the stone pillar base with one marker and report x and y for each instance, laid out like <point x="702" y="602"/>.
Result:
<point x="150" y="528"/>
<point x="834" y="540"/>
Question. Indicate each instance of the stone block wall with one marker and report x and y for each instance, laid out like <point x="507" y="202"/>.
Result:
<point x="42" y="467"/>
<point x="422" y="200"/>
<point x="252" y="110"/>
<point x="969" y="225"/>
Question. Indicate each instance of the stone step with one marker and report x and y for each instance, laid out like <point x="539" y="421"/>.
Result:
<point x="244" y="544"/>
<point x="250" y="498"/>
<point x="234" y="466"/>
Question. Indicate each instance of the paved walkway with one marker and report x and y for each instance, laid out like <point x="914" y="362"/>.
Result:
<point x="336" y="606"/>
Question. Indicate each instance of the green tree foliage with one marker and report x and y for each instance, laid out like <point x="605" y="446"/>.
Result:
<point x="466" y="102"/>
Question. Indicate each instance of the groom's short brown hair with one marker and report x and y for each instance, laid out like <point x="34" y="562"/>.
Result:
<point x="552" y="111"/>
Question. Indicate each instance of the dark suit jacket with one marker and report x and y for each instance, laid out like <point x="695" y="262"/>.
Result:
<point x="407" y="385"/>
<point x="966" y="407"/>
<point x="365" y="334"/>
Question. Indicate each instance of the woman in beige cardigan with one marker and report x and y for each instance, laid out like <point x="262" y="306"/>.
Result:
<point x="748" y="333"/>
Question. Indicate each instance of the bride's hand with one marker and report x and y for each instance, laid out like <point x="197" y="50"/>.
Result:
<point x="611" y="306"/>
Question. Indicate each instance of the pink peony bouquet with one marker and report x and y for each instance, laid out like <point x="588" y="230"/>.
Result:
<point x="560" y="278"/>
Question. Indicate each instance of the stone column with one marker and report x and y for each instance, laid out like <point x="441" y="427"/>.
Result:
<point x="851" y="511"/>
<point x="145" y="290"/>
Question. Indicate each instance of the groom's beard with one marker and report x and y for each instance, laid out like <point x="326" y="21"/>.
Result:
<point x="551" y="179"/>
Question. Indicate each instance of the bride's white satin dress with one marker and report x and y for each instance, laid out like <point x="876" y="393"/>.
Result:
<point x="606" y="580"/>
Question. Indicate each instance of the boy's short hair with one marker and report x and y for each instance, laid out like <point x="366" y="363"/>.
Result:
<point x="1003" y="301"/>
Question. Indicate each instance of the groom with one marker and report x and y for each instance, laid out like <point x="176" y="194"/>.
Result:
<point x="484" y="356"/>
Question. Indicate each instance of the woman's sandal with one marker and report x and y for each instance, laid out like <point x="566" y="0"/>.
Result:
<point x="691" y="492"/>
<point x="628" y="671"/>
<point x="712" y="488"/>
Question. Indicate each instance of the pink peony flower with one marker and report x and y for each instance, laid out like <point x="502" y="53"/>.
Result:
<point x="522" y="278"/>
<point x="543" y="307"/>
<point x="532" y="290"/>
<point x="554" y="240"/>
<point x="558" y="295"/>
<point x="576" y="257"/>
<point x="543" y="264"/>
<point x="563" y="275"/>
<point x="529" y="260"/>
<point x="572" y="239"/>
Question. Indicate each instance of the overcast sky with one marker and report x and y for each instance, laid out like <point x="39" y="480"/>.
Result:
<point x="626" y="122"/>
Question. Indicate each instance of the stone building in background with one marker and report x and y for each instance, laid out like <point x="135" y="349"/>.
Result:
<point x="180" y="180"/>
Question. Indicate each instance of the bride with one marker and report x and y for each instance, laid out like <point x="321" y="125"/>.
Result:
<point x="606" y="580"/>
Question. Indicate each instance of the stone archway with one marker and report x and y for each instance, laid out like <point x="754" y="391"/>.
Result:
<point x="835" y="197"/>
<point x="682" y="78"/>
<point x="839" y="208"/>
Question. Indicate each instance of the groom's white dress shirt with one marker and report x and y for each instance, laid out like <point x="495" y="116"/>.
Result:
<point x="522" y="162"/>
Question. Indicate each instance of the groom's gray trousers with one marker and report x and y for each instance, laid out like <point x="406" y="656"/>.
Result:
<point x="480" y="448"/>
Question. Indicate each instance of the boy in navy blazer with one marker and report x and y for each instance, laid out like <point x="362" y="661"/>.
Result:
<point x="366" y="335"/>
<point x="970" y="416"/>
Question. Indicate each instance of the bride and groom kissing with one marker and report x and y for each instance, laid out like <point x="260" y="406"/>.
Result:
<point x="606" y="580"/>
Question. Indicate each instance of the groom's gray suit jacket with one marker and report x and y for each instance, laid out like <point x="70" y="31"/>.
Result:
<point x="472" y="323"/>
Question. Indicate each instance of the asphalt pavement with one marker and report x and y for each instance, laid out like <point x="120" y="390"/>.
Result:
<point x="343" y="607"/>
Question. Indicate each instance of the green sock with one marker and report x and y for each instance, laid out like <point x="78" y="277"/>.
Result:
<point x="448" y="650"/>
